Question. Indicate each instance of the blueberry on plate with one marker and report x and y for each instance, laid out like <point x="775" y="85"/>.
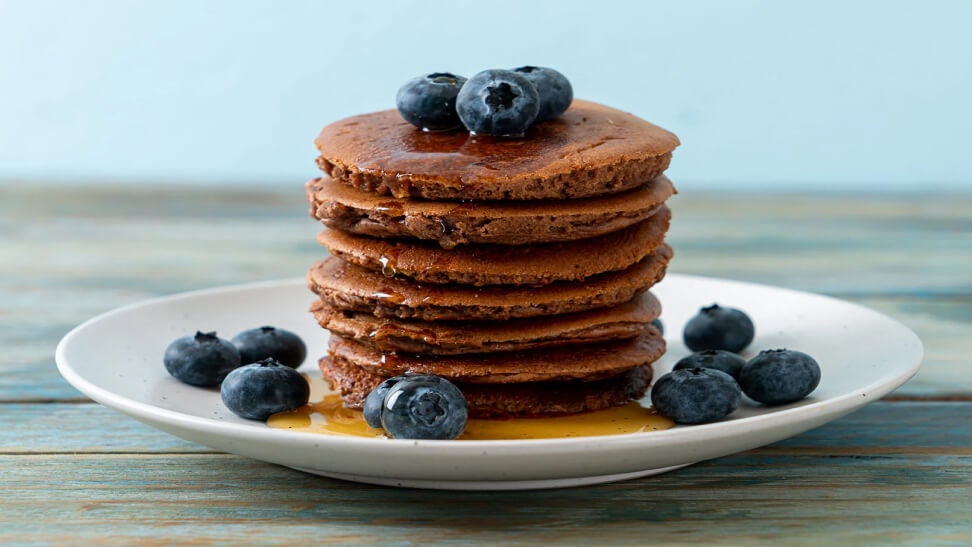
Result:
<point x="424" y="407"/>
<point x="375" y="399"/>
<point x="257" y="390"/>
<point x="715" y="327"/>
<point x="498" y="102"/>
<point x="779" y="376"/>
<point x="718" y="359"/>
<point x="429" y="102"/>
<point x="695" y="395"/>
<point x="202" y="359"/>
<point x="553" y="87"/>
<point x="270" y="343"/>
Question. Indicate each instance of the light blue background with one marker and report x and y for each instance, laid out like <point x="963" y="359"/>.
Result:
<point x="787" y="95"/>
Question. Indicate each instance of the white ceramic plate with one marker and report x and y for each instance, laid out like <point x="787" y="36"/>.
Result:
<point x="116" y="359"/>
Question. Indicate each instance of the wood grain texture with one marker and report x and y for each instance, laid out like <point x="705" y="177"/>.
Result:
<point x="843" y="245"/>
<point x="896" y="472"/>
<point x="202" y="499"/>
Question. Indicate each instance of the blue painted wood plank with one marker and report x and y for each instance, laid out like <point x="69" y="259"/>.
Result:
<point x="213" y="498"/>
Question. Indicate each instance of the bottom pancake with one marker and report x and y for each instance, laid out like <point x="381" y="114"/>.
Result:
<point x="506" y="400"/>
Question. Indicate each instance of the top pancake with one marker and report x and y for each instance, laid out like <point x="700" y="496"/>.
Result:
<point x="589" y="150"/>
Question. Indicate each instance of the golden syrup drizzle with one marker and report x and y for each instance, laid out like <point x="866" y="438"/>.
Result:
<point x="446" y="232"/>
<point x="388" y="332"/>
<point x="389" y="262"/>
<point x="391" y="208"/>
<point x="387" y="295"/>
<point x="328" y="416"/>
<point x="388" y="266"/>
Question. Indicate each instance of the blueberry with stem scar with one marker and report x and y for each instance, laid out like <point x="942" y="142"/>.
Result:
<point x="498" y="102"/>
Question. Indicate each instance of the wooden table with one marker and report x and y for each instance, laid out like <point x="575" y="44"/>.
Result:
<point x="73" y="472"/>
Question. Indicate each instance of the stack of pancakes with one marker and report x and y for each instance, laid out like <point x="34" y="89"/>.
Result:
<point x="516" y="268"/>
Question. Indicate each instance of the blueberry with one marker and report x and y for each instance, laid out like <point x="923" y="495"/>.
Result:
<point x="498" y="102"/>
<point x="201" y="360"/>
<point x="372" y="404"/>
<point x="695" y="395"/>
<point x="269" y="342"/>
<point x="717" y="359"/>
<point x="553" y="87"/>
<point x="429" y="101"/>
<point x="715" y="327"/>
<point x="424" y="407"/>
<point x="779" y="376"/>
<point x="657" y="323"/>
<point x="257" y="390"/>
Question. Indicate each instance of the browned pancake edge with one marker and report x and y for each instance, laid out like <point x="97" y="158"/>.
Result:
<point x="589" y="150"/>
<point x="349" y="287"/>
<point x="452" y="223"/>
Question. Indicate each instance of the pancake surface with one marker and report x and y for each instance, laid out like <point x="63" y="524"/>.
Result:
<point x="349" y="287"/>
<point x="587" y="362"/>
<point x="454" y="223"/>
<point x="534" y="264"/>
<point x="624" y="321"/>
<point x="589" y="150"/>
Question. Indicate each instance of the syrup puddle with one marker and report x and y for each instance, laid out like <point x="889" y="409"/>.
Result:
<point x="327" y="415"/>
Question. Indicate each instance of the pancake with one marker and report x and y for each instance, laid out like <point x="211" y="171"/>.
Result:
<point x="589" y="150"/>
<point x="624" y="321"/>
<point x="454" y="223"/>
<point x="349" y="287"/>
<point x="584" y="362"/>
<point x="479" y="265"/>
<point x="507" y="400"/>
